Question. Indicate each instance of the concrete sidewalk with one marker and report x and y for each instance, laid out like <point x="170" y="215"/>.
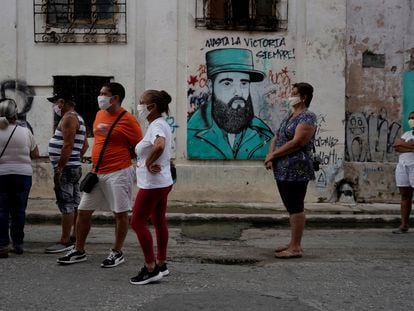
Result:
<point x="318" y="214"/>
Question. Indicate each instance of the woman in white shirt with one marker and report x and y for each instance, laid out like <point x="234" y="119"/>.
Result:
<point x="404" y="173"/>
<point x="18" y="147"/>
<point x="155" y="183"/>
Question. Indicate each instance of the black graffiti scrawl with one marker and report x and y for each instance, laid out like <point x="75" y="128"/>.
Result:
<point x="369" y="138"/>
<point x="22" y="94"/>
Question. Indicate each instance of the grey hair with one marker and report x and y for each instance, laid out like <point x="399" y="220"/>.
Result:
<point x="8" y="111"/>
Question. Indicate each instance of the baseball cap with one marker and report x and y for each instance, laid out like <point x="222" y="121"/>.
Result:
<point x="61" y="95"/>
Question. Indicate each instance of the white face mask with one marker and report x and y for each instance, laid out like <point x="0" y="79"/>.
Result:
<point x="293" y="101"/>
<point x="104" y="102"/>
<point x="57" y="110"/>
<point x="143" y="112"/>
<point x="411" y="123"/>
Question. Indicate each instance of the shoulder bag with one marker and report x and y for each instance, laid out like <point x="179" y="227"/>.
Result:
<point x="91" y="179"/>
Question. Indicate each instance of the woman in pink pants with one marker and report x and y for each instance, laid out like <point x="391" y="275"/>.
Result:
<point x="155" y="182"/>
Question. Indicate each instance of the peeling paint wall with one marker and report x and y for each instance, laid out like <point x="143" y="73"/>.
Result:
<point x="379" y="51"/>
<point x="165" y="51"/>
<point x="315" y="40"/>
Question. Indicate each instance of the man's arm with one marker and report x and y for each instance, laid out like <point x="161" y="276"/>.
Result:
<point x="85" y="147"/>
<point x="68" y="128"/>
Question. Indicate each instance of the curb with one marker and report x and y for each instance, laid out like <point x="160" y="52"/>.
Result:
<point x="330" y="215"/>
<point x="262" y="220"/>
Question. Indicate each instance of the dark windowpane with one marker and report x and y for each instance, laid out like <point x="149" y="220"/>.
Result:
<point x="240" y="10"/>
<point x="264" y="12"/>
<point x="217" y="10"/>
<point x="85" y="90"/>
<point x="82" y="9"/>
<point x="57" y="12"/>
<point x="105" y="9"/>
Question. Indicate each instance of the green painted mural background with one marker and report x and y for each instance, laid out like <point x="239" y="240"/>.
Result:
<point x="408" y="97"/>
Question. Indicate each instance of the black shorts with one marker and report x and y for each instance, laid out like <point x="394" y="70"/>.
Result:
<point x="293" y="195"/>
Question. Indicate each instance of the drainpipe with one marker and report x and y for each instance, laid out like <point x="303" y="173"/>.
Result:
<point x="16" y="27"/>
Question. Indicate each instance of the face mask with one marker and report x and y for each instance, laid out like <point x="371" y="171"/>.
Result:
<point x="104" y="102"/>
<point x="411" y="123"/>
<point x="293" y="101"/>
<point x="143" y="112"/>
<point x="57" y="110"/>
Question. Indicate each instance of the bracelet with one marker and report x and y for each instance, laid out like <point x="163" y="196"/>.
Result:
<point x="58" y="170"/>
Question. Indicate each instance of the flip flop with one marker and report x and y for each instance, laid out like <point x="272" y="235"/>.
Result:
<point x="281" y="248"/>
<point x="400" y="230"/>
<point x="286" y="254"/>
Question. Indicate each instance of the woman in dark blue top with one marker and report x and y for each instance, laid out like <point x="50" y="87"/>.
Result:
<point x="290" y="157"/>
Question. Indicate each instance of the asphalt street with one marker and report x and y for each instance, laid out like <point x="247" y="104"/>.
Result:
<point x="214" y="269"/>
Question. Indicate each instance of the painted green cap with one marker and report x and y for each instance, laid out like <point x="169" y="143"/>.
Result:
<point x="227" y="60"/>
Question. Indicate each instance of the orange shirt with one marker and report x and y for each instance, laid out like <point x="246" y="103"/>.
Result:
<point x="127" y="132"/>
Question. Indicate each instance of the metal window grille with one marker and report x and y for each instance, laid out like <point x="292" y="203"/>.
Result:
<point x="85" y="90"/>
<point x="251" y="15"/>
<point x="80" y="21"/>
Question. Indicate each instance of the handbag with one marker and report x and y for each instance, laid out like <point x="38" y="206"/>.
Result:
<point x="173" y="171"/>
<point x="88" y="182"/>
<point x="91" y="179"/>
<point x="316" y="159"/>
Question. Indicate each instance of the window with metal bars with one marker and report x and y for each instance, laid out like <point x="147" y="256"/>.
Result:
<point x="85" y="90"/>
<point x="80" y="21"/>
<point x="262" y="15"/>
<point x="80" y="11"/>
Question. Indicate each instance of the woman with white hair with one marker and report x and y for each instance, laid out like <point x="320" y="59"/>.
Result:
<point x="17" y="148"/>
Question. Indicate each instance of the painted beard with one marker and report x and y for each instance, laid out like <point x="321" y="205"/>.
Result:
<point x="233" y="116"/>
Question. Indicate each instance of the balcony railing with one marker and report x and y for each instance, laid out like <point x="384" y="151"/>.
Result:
<point x="250" y="15"/>
<point x="73" y="21"/>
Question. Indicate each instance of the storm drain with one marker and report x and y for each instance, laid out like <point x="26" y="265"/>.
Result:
<point x="230" y="261"/>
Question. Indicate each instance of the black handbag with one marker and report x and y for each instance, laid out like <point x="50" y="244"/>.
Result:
<point x="91" y="179"/>
<point x="173" y="171"/>
<point x="88" y="182"/>
<point x="316" y="159"/>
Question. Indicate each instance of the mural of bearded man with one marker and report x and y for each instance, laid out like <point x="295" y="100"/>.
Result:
<point x="225" y="128"/>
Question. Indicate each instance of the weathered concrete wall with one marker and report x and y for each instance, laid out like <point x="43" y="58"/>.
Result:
<point x="165" y="51"/>
<point x="315" y="53"/>
<point x="35" y="65"/>
<point x="379" y="41"/>
<point x="322" y="62"/>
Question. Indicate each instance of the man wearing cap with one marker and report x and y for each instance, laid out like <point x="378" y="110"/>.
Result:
<point x="66" y="148"/>
<point x="226" y="128"/>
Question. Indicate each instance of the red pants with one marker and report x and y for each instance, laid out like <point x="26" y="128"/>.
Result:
<point x="151" y="203"/>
